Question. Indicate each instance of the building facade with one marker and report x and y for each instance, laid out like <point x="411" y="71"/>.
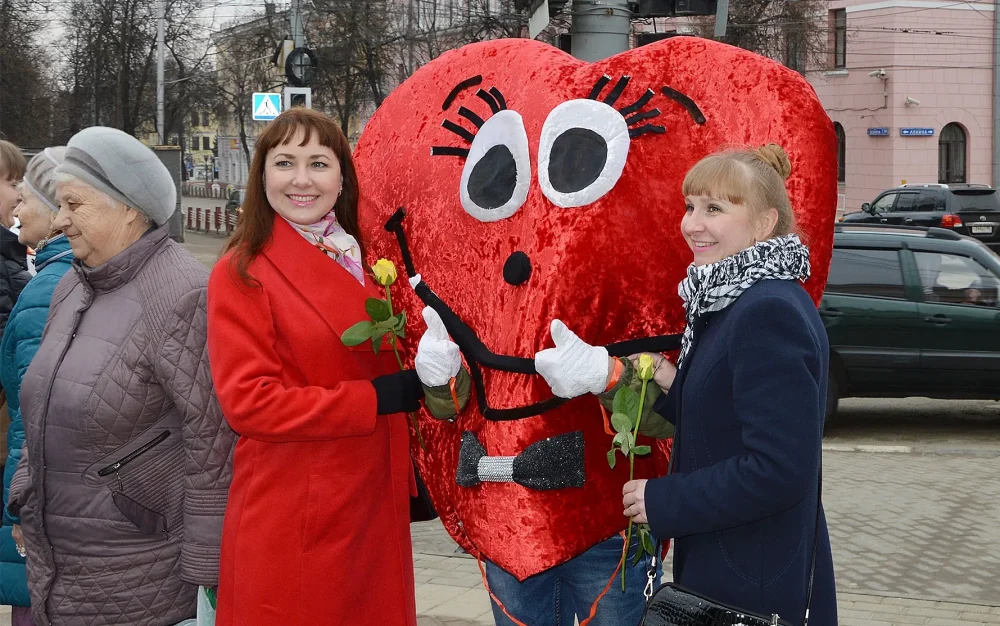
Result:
<point x="200" y="156"/>
<point x="909" y="86"/>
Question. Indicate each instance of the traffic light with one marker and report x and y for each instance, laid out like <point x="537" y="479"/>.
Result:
<point x="696" y="7"/>
<point x="297" y="97"/>
<point x="675" y="8"/>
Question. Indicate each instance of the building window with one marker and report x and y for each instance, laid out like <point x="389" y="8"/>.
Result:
<point x="793" y="54"/>
<point x="206" y="143"/>
<point x="839" y="38"/>
<point x="204" y="118"/>
<point x="951" y="154"/>
<point x="841" y="152"/>
<point x="194" y="119"/>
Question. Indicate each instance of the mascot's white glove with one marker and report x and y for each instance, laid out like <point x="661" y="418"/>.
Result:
<point x="438" y="359"/>
<point x="574" y="367"/>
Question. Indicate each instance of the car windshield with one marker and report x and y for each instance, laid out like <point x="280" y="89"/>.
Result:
<point x="977" y="200"/>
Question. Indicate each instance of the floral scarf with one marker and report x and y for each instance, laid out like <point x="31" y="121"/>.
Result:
<point x="330" y="237"/>
<point x="713" y="287"/>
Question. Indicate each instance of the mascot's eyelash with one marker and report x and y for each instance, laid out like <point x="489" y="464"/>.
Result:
<point x="632" y="113"/>
<point x="493" y="99"/>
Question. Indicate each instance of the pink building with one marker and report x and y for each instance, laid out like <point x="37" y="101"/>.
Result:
<point x="909" y="85"/>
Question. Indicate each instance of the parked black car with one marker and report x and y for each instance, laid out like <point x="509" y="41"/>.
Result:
<point x="911" y="311"/>
<point x="968" y="209"/>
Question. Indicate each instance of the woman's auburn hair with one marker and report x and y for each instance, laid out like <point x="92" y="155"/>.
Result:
<point x="256" y="221"/>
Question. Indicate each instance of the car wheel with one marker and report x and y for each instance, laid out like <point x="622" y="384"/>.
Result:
<point x="832" y="396"/>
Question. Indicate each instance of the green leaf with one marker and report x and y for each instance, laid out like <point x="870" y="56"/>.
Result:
<point x="641" y="450"/>
<point x="357" y="334"/>
<point x="626" y="446"/>
<point x="402" y="321"/>
<point x="621" y="422"/>
<point x="377" y="308"/>
<point x="626" y="402"/>
<point x="630" y="439"/>
<point x="619" y="439"/>
<point x="377" y="334"/>
<point x="612" y="459"/>
<point x="647" y="540"/>
<point x="638" y="556"/>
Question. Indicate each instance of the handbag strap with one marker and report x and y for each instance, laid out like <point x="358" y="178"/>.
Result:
<point x="651" y="572"/>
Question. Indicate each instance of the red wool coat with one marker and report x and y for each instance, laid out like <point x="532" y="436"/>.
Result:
<point x="317" y="525"/>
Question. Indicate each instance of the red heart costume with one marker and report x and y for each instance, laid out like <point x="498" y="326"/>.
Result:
<point x="513" y="146"/>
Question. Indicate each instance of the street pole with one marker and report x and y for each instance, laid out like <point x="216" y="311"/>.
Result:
<point x="161" y="18"/>
<point x="298" y="37"/>
<point x="600" y="28"/>
<point x="996" y="94"/>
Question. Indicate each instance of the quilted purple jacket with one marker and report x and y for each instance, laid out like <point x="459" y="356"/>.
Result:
<point x="123" y="485"/>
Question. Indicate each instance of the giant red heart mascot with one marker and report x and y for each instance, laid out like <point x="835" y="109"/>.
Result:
<point x="535" y="186"/>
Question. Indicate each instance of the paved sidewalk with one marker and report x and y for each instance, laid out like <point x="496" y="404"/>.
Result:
<point x="914" y="539"/>
<point x="450" y="593"/>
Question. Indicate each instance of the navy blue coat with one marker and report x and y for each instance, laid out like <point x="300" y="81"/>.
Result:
<point x="741" y="501"/>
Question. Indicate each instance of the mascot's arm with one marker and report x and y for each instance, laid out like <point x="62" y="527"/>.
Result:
<point x="653" y="424"/>
<point x="442" y="403"/>
<point x="247" y="373"/>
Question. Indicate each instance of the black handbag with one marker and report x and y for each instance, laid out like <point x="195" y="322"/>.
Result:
<point x="673" y="605"/>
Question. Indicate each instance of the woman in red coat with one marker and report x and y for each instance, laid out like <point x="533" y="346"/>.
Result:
<point x="317" y="525"/>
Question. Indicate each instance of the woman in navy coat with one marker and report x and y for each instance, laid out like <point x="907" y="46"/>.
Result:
<point x="742" y="499"/>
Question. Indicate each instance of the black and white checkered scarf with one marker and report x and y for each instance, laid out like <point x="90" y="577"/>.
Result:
<point x="713" y="287"/>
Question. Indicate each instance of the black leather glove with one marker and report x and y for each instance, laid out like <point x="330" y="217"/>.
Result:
<point x="398" y="393"/>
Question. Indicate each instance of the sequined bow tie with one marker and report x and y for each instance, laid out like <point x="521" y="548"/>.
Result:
<point x="553" y="463"/>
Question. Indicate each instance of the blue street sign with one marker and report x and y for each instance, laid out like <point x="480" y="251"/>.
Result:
<point x="266" y="106"/>
<point x="916" y="132"/>
<point x="878" y="132"/>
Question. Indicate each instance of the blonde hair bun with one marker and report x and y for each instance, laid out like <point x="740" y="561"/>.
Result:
<point x="775" y="156"/>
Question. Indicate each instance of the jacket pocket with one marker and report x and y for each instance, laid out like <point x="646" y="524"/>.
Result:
<point x="145" y="519"/>
<point x="133" y="455"/>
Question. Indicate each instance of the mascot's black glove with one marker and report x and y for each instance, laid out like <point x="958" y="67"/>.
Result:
<point x="398" y="393"/>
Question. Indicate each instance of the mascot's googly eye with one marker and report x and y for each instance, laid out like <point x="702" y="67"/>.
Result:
<point x="584" y="144"/>
<point x="497" y="171"/>
<point x="582" y="152"/>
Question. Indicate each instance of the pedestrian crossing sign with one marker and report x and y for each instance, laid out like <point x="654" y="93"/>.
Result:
<point x="266" y="106"/>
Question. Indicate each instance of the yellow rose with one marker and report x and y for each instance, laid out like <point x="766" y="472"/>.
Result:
<point x="385" y="272"/>
<point x="645" y="367"/>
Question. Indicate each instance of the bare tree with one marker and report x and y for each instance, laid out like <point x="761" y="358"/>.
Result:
<point x="25" y="82"/>
<point x="245" y="53"/>
<point x="349" y="39"/>
<point x="109" y="65"/>
<point x="789" y="32"/>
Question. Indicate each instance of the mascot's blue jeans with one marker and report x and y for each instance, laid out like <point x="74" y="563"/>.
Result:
<point x="558" y="595"/>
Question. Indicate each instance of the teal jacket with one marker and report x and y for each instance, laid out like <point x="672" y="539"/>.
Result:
<point x="20" y="341"/>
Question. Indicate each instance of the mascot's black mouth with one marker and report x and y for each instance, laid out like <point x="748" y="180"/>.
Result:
<point x="477" y="354"/>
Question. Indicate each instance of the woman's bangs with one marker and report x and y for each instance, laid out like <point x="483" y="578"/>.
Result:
<point x="718" y="177"/>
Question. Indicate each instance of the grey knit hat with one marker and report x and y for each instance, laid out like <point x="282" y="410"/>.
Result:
<point x="39" y="177"/>
<point x="120" y="166"/>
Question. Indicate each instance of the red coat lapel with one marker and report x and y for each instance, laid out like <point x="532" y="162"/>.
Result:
<point x="332" y="291"/>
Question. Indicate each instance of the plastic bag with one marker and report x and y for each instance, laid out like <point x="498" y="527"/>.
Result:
<point x="206" y="612"/>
